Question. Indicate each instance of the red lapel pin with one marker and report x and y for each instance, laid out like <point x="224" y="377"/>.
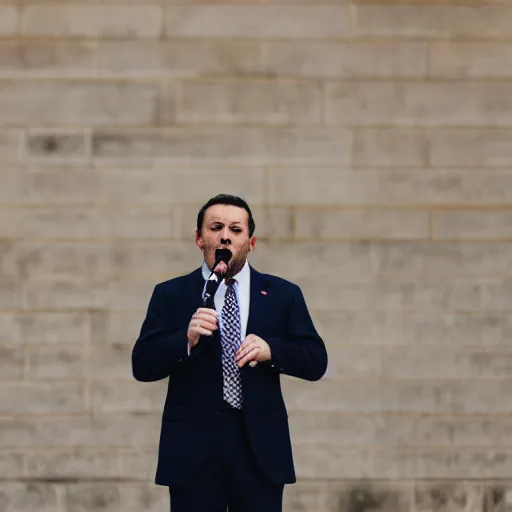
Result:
<point x="263" y="292"/>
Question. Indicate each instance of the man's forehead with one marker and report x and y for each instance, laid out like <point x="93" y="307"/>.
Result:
<point x="216" y="218"/>
<point x="226" y="213"/>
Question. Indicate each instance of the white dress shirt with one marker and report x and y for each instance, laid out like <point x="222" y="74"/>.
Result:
<point x="242" y="289"/>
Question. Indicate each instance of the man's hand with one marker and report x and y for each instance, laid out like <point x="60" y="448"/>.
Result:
<point x="253" y="349"/>
<point x="203" y="322"/>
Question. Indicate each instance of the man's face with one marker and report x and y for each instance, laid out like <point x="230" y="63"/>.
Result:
<point x="225" y="226"/>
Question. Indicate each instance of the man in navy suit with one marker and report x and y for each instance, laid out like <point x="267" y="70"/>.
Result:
<point x="225" y="442"/>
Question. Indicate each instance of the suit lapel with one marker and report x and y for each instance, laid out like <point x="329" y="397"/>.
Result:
<point x="258" y="301"/>
<point x="195" y="290"/>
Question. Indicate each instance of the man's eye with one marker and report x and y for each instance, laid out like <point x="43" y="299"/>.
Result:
<point x="216" y="228"/>
<point x="237" y="230"/>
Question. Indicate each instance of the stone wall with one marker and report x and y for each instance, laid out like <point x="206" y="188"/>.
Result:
<point x="374" y="142"/>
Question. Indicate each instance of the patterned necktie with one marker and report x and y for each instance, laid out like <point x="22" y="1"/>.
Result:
<point x="231" y="338"/>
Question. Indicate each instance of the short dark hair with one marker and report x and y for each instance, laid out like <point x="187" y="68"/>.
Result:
<point x="226" y="199"/>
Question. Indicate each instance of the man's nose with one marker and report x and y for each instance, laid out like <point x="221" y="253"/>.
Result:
<point x="224" y="239"/>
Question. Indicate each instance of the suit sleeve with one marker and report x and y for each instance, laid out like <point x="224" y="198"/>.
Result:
<point x="162" y="345"/>
<point x="302" y="352"/>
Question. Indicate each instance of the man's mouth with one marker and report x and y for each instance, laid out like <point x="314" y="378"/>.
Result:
<point x="221" y="268"/>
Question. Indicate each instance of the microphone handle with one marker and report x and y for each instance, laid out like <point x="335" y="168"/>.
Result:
<point x="213" y="284"/>
<point x="209" y="296"/>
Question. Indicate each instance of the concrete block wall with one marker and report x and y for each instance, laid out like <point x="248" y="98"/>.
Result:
<point x="374" y="141"/>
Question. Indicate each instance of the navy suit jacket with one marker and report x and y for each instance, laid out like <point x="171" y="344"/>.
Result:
<point x="194" y="395"/>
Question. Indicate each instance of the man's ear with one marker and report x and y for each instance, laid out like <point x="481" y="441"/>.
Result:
<point x="199" y="240"/>
<point x="252" y="243"/>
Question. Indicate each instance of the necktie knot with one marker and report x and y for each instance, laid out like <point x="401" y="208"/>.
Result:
<point x="230" y="281"/>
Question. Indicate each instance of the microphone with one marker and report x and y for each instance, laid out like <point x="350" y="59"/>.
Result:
<point x="222" y="255"/>
<point x="213" y="282"/>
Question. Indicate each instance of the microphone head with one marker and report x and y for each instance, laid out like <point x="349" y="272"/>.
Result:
<point x="222" y="255"/>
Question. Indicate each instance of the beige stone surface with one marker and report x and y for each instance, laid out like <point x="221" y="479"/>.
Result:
<point x="398" y="431"/>
<point x="95" y="463"/>
<point x="395" y="147"/>
<point x="27" y="58"/>
<point x="344" y="60"/>
<point x="393" y="395"/>
<point x="434" y="103"/>
<point x="258" y="21"/>
<point x="31" y="496"/>
<point x="12" y="362"/>
<point x="55" y="144"/>
<point x="399" y="314"/>
<point x="362" y="224"/>
<point x="470" y="60"/>
<point x="475" y="225"/>
<point x="372" y="140"/>
<point x="225" y="146"/>
<point x="475" y="148"/>
<point x="177" y="57"/>
<point x="32" y="397"/>
<point x="434" y="21"/>
<point x="76" y="20"/>
<point x="86" y="103"/>
<point x="10" y="145"/>
<point x="9" y="20"/>
<point x="440" y="497"/>
<point x="242" y="101"/>
<point x="364" y="187"/>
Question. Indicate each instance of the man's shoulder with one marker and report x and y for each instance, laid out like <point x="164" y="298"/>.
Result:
<point x="179" y="282"/>
<point x="277" y="282"/>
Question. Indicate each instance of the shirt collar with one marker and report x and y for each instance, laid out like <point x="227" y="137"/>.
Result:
<point x="243" y="275"/>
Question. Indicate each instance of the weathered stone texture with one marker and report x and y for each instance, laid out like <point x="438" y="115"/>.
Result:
<point x="83" y="430"/>
<point x="474" y="148"/>
<point x="344" y="60"/>
<point x="225" y="145"/>
<point x="363" y="187"/>
<point x="85" y="103"/>
<point x="446" y="497"/>
<point x="32" y="397"/>
<point x="413" y="395"/>
<point x="47" y="58"/>
<point x="109" y="21"/>
<point x="31" y="496"/>
<point x="178" y="58"/>
<point x="74" y="464"/>
<point x="13" y="188"/>
<point x="398" y="431"/>
<point x="362" y="224"/>
<point x="432" y="103"/>
<point x="416" y="362"/>
<point x="9" y="20"/>
<point x="472" y="225"/>
<point x="365" y="321"/>
<point x="258" y="21"/>
<point x="372" y="139"/>
<point x="433" y="21"/>
<point x="10" y="145"/>
<point x="55" y="144"/>
<point x="273" y="103"/>
<point x="470" y="60"/>
<point x="82" y="497"/>
<point x="12" y="362"/>
<point x="385" y="147"/>
<point x="123" y="396"/>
